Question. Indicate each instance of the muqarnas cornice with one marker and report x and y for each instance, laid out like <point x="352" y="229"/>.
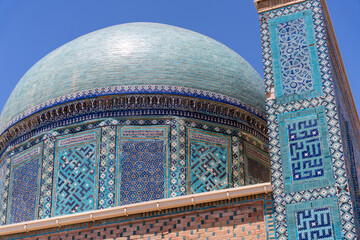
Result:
<point x="129" y="89"/>
<point x="133" y="105"/>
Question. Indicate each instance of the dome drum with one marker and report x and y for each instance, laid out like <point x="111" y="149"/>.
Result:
<point x="124" y="160"/>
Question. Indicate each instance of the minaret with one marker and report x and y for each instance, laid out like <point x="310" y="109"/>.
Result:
<point x="313" y="123"/>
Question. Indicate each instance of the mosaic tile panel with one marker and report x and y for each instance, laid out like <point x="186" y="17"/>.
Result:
<point x="177" y="158"/>
<point x="354" y="182"/>
<point x="319" y="219"/>
<point x="209" y="157"/>
<point x="76" y="174"/>
<point x="239" y="138"/>
<point x="2" y="181"/>
<point x="238" y="162"/>
<point x="142" y="164"/>
<point x="294" y="57"/>
<point x="257" y="165"/>
<point x="25" y="186"/>
<point x="259" y="173"/>
<point x="314" y="224"/>
<point x="257" y="153"/>
<point x="5" y="165"/>
<point x="295" y="61"/>
<point x="107" y="178"/>
<point x="275" y="107"/>
<point x="176" y="179"/>
<point x="47" y="174"/>
<point x="305" y="149"/>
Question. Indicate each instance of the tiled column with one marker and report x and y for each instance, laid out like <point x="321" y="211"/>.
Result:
<point x="312" y="200"/>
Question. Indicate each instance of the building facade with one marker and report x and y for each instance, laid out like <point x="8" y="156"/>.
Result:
<point x="148" y="131"/>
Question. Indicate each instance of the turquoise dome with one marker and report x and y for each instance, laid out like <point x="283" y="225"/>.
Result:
<point x="134" y="54"/>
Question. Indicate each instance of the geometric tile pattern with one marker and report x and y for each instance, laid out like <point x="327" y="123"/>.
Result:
<point x="107" y="178"/>
<point x="314" y="224"/>
<point x="331" y="121"/>
<point x="58" y="140"/>
<point x="142" y="170"/>
<point x="208" y="162"/>
<point x="143" y="160"/>
<point x="238" y="162"/>
<point x="293" y="46"/>
<point x="305" y="149"/>
<point x="319" y="219"/>
<point x="238" y="140"/>
<point x="47" y="174"/>
<point x="4" y="187"/>
<point x="24" y="191"/>
<point x="2" y="181"/>
<point x="257" y="171"/>
<point x="76" y="174"/>
<point x="294" y="57"/>
<point x="258" y="165"/>
<point x="177" y="159"/>
<point x="25" y="152"/>
<point x="208" y="168"/>
<point x="354" y="182"/>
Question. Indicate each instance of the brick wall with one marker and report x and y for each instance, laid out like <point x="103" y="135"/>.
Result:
<point x="221" y="220"/>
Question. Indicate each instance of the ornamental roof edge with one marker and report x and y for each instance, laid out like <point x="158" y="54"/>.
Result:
<point x="268" y="5"/>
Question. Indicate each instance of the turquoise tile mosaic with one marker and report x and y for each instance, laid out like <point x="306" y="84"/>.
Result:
<point x="107" y="175"/>
<point x="69" y="154"/>
<point x="143" y="164"/>
<point x="353" y="181"/>
<point x="314" y="224"/>
<point x="3" y="190"/>
<point x="47" y="176"/>
<point x="24" y="191"/>
<point x="296" y="67"/>
<point x="5" y="186"/>
<point x="76" y="173"/>
<point x="312" y="13"/>
<point x="208" y="161"/>
<point x="319" y="219"/>
<point x="257" y="165"/>
<point x="258" y="172"/>
<point x="305" y="150"/>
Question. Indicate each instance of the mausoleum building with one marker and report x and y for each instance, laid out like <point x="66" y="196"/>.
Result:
<point x="150" y="131"/>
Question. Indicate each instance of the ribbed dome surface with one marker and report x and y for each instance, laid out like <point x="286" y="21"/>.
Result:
<point x="136" y="54"/>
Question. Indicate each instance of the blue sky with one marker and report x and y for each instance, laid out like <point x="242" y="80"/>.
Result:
<point x="30" y="29"/>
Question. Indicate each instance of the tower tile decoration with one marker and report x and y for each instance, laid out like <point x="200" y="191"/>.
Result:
<point x="306" y="149"/>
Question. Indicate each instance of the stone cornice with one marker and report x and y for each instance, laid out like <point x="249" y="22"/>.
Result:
<point x="268" y="5"/>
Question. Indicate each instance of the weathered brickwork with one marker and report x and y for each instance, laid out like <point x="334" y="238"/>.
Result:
<point x="242" y="218"/>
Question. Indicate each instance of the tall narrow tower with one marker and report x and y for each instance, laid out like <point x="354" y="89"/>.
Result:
<point x="313" y="123"/>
